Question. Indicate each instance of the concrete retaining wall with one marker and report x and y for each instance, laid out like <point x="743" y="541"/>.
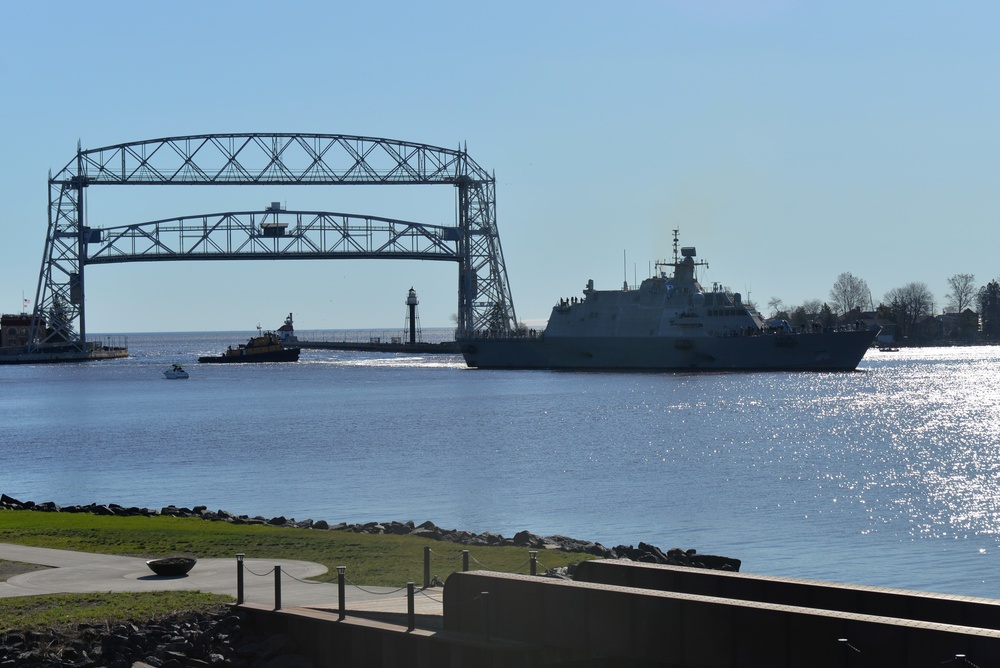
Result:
<point x="356" y="642"/>
<point x="881" y="601"/>
<point x="575" y="620"/>
<point x="499" y="620"/>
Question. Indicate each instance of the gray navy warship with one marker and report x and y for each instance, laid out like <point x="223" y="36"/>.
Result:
<point x="670" y="322"/>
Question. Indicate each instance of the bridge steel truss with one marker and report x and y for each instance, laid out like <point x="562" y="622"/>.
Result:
<point x="484" y="299"/>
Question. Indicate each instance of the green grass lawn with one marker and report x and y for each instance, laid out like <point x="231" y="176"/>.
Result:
<point x="369" y="559"/>
<point x="66" y="611"/>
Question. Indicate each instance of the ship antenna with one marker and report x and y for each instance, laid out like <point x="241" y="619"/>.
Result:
<point x="676" y="232"/>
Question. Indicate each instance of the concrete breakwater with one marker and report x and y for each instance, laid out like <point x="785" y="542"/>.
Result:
<point x="643" y="552"/>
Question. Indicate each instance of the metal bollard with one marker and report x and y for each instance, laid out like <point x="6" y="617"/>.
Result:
<point x="427" y="567"/>
<point x="277" y="587"/>
<point x="239" y="578"/>
<point x="411" y="618"/>
<point x="465" y="561"/>
<point x="534" y="561"/>
<point x="341" y="590"/>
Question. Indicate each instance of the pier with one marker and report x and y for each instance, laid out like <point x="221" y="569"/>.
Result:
<point x="91" y="351"/>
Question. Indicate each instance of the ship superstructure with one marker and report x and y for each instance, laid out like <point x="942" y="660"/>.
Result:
<point x="664" y="305"/>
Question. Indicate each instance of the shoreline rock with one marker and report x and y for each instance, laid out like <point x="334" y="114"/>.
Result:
<point x="214" y="638"/>
<point x="644" y="552"/>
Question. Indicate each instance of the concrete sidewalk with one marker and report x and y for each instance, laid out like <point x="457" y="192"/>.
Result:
<point x="81" y="572"/>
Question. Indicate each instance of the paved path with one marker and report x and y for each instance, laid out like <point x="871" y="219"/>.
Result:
<point x="81" y="572"/>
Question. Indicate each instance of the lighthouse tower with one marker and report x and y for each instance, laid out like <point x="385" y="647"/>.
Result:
<point x="412" y="324"/>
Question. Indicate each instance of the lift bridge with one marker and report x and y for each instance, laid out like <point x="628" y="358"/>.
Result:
<point x="473" y="243"/>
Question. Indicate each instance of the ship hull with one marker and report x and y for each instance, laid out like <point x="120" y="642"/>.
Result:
<point x="286" y="355"/>
<point x="819" y="351"/>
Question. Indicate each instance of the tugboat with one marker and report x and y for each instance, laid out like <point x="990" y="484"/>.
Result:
<point x="669" y="323"/>
<point x="265" y="347"/>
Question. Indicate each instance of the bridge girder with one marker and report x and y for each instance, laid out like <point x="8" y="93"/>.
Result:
<point x="484" y="299"/>
<point x="273" y="235"/>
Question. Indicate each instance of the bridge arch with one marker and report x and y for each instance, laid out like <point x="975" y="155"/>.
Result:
<point x="262" y="159"/>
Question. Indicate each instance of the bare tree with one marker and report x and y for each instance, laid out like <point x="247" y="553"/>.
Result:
<point x="777" y="307"/>
<point x="909" y="304"/>
<point x="848" y="293"/>
<point x="812" y="307"/>
<point x="963" y="292"/>
<point x="806" y="314"/>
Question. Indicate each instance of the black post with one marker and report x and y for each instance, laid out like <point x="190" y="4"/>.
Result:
<point x="427" y="567"/>
<point x="239" y="578"/>
<point x="410" y="616"/>
<point x="465" y="561"/>
<point x="534" y="561"/>
<point x="341" y="590"/>
<point x="277" y="587"/>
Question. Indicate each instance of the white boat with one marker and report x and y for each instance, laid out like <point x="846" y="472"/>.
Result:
<point x="175" y="371"/>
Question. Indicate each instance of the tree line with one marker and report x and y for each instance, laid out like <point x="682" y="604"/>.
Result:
<point x="970" y="313"/>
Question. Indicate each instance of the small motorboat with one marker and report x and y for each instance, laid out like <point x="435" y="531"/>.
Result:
<point x="175" y="371"/>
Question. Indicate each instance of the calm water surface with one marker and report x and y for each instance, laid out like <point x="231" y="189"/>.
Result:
<point x="886" y="476"/>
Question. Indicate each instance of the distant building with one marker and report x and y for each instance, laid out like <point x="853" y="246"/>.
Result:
<point x="928" y="328"/>
<point x="15" y="330"/>
<point x="961" y="326"/>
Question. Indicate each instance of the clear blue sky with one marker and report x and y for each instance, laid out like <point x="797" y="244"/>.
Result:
<point x="788" y="141"/>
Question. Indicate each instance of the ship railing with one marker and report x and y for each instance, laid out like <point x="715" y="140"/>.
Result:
<point x="811" y="328"/>
<point x="519" y="333"/>
<point x="119" y="342"/>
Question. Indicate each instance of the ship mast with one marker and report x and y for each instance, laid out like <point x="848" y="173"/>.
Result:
<point x="687" y="253"/>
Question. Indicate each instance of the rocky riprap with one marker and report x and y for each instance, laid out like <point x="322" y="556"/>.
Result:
<point x="525" y="539"/>
<point x="188" y="640"/>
